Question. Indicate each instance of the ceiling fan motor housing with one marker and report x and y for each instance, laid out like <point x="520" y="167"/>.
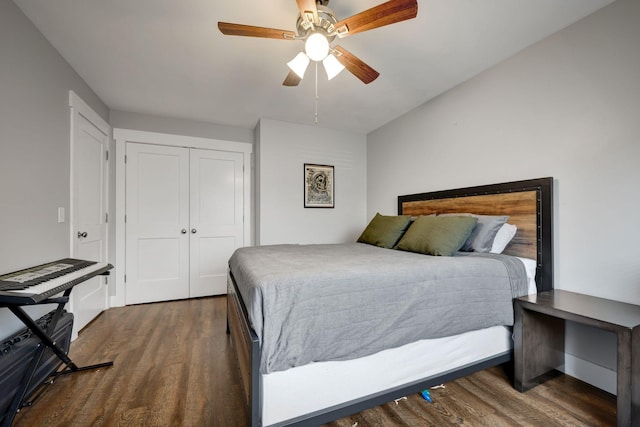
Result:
<point x="325" y="24"/>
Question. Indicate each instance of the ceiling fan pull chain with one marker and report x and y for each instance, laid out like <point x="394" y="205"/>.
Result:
<point x="316" y="116"/>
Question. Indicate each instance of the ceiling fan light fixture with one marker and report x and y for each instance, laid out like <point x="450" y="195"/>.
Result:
<point x="317" y="26"/>
<point x="332" y="66"/>
<point x="317" y="46"/>
<point x="299" y="64"/>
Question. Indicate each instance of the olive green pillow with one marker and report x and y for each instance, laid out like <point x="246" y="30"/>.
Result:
<point x="385" y="231"/>
<point x="437" y="235"/>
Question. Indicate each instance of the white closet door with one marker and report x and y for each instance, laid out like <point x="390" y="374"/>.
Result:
<point x="157" y="223"/>
<point x="216" y="218"/>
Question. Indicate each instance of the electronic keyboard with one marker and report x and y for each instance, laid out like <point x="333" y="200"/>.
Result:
<point x="35" y="284"/>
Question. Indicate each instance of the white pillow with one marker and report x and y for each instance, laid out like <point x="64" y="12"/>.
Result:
<point x="503" y="237"/>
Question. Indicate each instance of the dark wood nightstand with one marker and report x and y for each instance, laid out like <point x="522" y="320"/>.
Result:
<point x="539" y="341"/>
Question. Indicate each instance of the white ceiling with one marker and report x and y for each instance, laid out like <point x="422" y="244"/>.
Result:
<point x="167" y="57"/>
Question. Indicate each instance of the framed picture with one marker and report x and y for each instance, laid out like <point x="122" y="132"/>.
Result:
<point x="318" y="186"/>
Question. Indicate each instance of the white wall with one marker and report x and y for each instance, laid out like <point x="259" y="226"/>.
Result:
<point x="175" y="126"/>
<point x="282" y="149"/>
<point x="567" y="107"/>
<point x="34" y="147"/>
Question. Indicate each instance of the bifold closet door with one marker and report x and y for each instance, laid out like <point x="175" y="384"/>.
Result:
<point x="216" y="218"/>
<point x="184" y="219"/>
<point x="157" y="223"/>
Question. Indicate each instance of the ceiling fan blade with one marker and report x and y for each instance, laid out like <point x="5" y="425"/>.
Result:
<point x="384" y="14"/>
<point x="229" y="29"/>
<point x="308" y="10"/>
<point x="292" y="79"/>
<point x="355" y="65"/>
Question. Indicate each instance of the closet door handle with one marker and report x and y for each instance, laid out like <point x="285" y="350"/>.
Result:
<point x="194" y="231"/>
<point x="183" y="231"/>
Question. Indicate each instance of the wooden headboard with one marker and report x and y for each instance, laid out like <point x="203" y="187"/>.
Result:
<point x="528" y="203"/>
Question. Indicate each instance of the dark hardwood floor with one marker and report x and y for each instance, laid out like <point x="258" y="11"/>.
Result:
<point x="173" y="367"/>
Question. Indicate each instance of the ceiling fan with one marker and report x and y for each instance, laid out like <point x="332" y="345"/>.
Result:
<point x="317" y="26"/>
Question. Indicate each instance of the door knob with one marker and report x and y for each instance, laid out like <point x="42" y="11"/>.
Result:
<point x="82" y="234"/>
<point x="183" y="231"/>
<point x="193" y="231"/>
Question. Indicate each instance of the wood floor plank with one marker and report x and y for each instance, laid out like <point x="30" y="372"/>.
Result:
<point x="173" y="366"/>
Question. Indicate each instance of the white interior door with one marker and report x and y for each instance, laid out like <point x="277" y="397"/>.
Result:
<point x="157" y="223"/>
<point x="216" y="218"/>
<point x="89" y="208"/>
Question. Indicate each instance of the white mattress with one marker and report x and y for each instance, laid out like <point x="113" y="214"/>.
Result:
<point x="316" y="386"/>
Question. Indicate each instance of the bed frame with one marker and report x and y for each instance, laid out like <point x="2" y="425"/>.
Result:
<point x="529" y="205"/>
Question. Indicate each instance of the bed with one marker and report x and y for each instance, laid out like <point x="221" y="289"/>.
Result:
<point x="285" y="387"/>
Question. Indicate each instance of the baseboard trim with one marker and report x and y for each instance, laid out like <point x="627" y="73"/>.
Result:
<point x="589" y="372"/>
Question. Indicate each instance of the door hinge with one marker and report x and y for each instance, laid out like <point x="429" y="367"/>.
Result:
<point x="125" y="158"/>
<point x="125" y="278"/>
<point x="125" y="218"/>
<point x="106" y="155"/>
<point x="106" y="217"/>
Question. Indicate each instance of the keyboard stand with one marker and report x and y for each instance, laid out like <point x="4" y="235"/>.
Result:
<point x="45" y="336"/>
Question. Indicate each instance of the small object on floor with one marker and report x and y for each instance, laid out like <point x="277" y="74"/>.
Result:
<point x="437" y="386"/>
<point x="398" y="400"/>
<point x="426" y="396"/>
<point x="355" y="424"/>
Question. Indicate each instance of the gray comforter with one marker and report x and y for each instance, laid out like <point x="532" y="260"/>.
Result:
<point x="333" y="302"/>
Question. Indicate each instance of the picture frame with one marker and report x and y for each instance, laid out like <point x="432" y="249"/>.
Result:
<point x="319" y="186"/>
